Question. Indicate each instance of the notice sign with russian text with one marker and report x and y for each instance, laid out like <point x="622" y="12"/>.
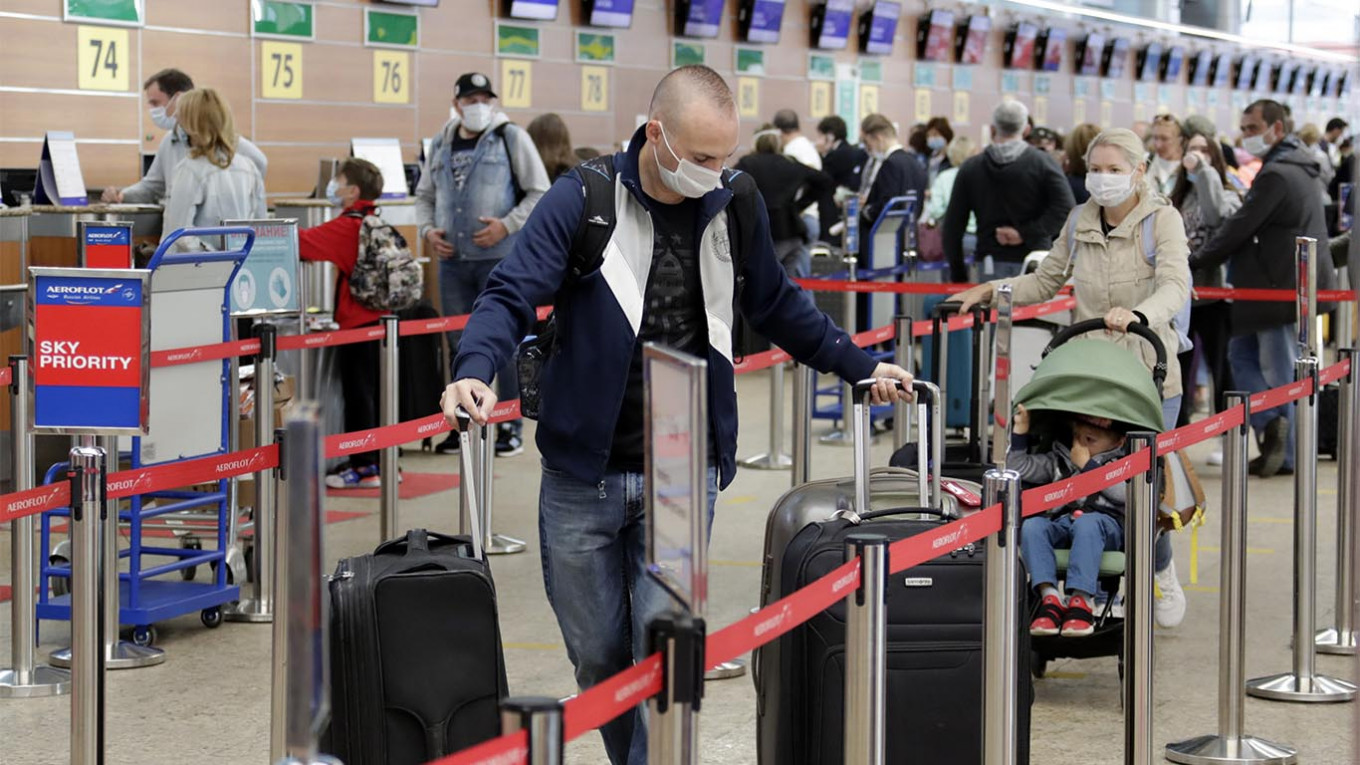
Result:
<point x="90" y="351"/>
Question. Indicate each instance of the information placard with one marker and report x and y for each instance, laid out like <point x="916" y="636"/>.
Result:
<point x="676" y="426"/>
<point x="748" y="97"/>
<point x="105" y="245"/>
<point x="595" y="88"/>
<point x="127" y="13"/>
<point x="391" y="77"/>
<point x="91" y="338"/>
<point x="391" y="29"/>
<point x="386" y="154"/>
<point x="282" y="18"/>
<point x="517" y="84"/>
<point x="102" y="55"/>
<point x="267" y="281"/>
<point x="60" y="181"/>
<point x="281" y="70"/>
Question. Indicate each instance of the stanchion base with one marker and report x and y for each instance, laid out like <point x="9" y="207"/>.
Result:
<point x="1330" y="641"/>
<point x="249" y="610"/>
<point x="839" y="438"/>
<point x="1287" y="687"/>
<point x="503" y="545"/>
<point x="727" y="670"/>
<point x="125" y="656"/>
<point x="42" y="681"/>
<point x="1216" y="750"/>
<point x="768" y="462"/>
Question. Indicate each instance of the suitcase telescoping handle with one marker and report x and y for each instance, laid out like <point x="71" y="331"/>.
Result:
<point x="927" y="394"/>
<point x="1139" y="328"/>
<point x="468" y="482"/>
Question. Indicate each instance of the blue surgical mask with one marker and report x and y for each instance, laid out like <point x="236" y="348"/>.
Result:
<point x="332" y="193"/>
<point x="936" y="142"/>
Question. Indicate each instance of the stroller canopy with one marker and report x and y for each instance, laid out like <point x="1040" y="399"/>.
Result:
<point x="1098" y="379"/>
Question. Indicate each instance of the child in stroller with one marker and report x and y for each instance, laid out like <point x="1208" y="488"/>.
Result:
<point x="1089" y="526"/>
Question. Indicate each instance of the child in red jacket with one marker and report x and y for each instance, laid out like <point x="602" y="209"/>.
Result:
<point x="356" y="184"/>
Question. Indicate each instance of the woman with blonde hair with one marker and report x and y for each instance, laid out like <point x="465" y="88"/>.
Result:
<point x="214" y="183"/>
<point x="1122" y="277"/>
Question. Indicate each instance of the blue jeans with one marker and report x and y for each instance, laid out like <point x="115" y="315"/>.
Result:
<point x="1261" y="361"/>
<point x="1088" y="537"/>
<point x="460" y="282"/>
<point x="999" y="269"/>
<point x="1171" y="411"/>
<point x="594" y="546"/>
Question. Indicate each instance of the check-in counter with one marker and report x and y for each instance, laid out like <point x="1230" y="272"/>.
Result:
<point x="52" y="229"/>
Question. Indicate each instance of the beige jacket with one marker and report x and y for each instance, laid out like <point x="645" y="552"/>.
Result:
<point x="1113" y="272"/>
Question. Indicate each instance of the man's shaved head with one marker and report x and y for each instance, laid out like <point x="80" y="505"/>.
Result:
<point x="688" y="87"/>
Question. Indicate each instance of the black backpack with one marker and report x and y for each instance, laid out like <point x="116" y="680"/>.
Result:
<point x="588" y="243"/>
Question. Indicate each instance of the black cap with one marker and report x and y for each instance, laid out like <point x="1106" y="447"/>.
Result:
<point x="473" y="83"/>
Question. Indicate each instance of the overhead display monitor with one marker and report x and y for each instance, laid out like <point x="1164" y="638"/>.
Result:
<point x="1149" y="61"/>
<point x="1282" y="76"/>
<point x="1089" y="51"/>
<point x="1201" y="66"/>
<point x="878" y="27"/>
<point x="1264" y="70"/>
<point x="1316" y="82"/>
<point x="1303" y="79"/>
<point x="935" y="37"/>
<point x="1050" y="53"/>
<point x="608" y="13"/>
<point x="1246" y="72"/>
<point x="970" y="41"/>
<point x="1020" y="43"/>
<point x="1342" y="82"/>
<point x="1222" y="70"/>
<point x="759" y="20"/>
<point x="698" y="18"/>
<point x="1172" y="63"/>
<point x="831" y="24"/>
<point x="534" y="10"/>
<point x="1116" y="57"/>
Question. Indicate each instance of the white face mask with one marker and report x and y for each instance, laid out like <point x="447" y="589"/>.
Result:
<point x="333" y="193"/>
<point x="1109" y="189"/>
<point x="161" y="120"/>
<point x="689" y="179"/>
<point x="477" y="117"/>
<point x="1256" y="145"/>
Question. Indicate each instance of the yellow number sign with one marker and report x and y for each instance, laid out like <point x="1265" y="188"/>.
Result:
<point x="280" y="69"/>
<point x="1079" y="111"/>
<point x="962" y="108"/>
<point x="868" y="99"/>
<point x="1041" y="110"/>
<point x="594" y="88"/>
<point x="517" y="84"/>
<point x="391" y="77"/>
<point x="748" y="96"/>
<point x="820" y="105"/>
<point x="924" y="106"/>
<point x="1107" y="114"/>
<point x="102" y="58"/>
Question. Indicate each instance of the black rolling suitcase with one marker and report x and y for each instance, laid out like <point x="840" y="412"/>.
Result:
<point x="934" y="636"/>
<point x="1329" y="414"/>
<point x="417" y="669"/>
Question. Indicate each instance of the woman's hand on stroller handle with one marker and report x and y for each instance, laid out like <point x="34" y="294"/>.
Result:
<point x="1119" y="318"/>
<point x="977" y="295"/>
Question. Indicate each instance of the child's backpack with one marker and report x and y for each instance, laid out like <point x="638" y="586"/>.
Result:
<point x="386" y="276"/>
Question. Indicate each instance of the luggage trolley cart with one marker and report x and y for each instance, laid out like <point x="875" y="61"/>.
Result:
<point x="894" y="232"/>
<point x="190" y="296"/>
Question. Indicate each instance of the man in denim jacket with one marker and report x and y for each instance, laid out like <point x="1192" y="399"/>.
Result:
<point x="481" y="180"/>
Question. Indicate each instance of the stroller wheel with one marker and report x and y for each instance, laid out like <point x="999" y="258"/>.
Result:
<point x="1038" y="665"/>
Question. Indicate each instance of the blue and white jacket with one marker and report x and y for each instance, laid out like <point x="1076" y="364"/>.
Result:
<point x="598" y="317"/>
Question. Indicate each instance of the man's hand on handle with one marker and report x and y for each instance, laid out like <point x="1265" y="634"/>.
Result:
<point x="885" y="392"/>
<point x="473" y="395"/>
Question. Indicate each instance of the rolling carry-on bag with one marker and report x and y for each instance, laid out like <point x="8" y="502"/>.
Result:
<point x="417" y="668"/>
<point x="934" y="633"/>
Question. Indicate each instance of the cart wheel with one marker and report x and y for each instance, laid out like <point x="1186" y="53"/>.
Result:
<point x="1038" y="665"/>
<point x="61" y="585"/>
<point x="189" y="542"/>
<point x="144" y="635"/>
<point x="211" y="617"/>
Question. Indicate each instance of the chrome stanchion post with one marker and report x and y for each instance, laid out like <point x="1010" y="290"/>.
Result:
<point x="672" y="725"/>
<point x="1303" y="683"/>
<point x="1140" y="539"/>
<point x="776" y="458"/>
<point x="1001" y="622"/>
<point x="842" y="437"/>
<point x="493" y="543"/>
<point x="259" y="607"/>
<point x="866" y="651"/>
<point x="388" y="414"/>
<point x="89" y="509"/>
<point x="1341" y="639"/>
<point x="1231" y="746"/>
<point x="904" y="355"/>
<point x="278" y="681"/>
<point x="25" y="678"/>
<point x="541" y="717"/>
<point x="804" y="387"/>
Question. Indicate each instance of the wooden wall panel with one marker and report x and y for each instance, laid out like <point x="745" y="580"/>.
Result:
<point x="324" y="123"/>
<point x="214" y="61"/>
<point x="208" y="15"/>
<point x="33" y="114"/>
<point x="101" y="164"/>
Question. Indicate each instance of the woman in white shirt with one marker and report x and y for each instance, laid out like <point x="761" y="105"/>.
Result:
<point x="214" y="183"/>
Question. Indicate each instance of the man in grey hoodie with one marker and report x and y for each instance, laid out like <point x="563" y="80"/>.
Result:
<point x="481" y="180"/>
<point x="1019" y="194"/>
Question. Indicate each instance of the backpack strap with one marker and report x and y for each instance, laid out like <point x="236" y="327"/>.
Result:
<point x="741" y="216"/>
<point x="598" y="217"/>
<point x="1148" y="231"/>
<point x="510" y="156"/>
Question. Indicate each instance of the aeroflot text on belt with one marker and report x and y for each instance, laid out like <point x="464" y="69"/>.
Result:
<point x="64" y="354"/>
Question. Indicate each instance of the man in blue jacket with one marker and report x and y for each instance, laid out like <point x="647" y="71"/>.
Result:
<point x="667" y="276"/>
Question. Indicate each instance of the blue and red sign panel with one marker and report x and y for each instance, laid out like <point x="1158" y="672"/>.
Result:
<point x="106" y="246"/>
<point x="89" y="341"/>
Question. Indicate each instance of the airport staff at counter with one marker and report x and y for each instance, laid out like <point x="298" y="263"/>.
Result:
<point x="162" y="91"/>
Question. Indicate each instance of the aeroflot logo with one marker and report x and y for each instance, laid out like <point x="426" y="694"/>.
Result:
<point x="31" y="503"/>
<point x="636" y="687"/>
<point x="1114" y="473"/>
<point x="949" y="539"/>
<point x="129" y="484"/>
<point x="774" y="622"/>
<point x="247" y="465"/>
<point x="519" y="754"/>
<point x="357" y="443"/>
<point x="189" y="355"/>
<point x="429" y="427"/>
<point x="845" y="581"/>
<point x="79" y="294"/>
<point x="1054" y="496"/>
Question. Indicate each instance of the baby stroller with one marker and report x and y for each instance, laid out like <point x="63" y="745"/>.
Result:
<point x="1097" y="379"/>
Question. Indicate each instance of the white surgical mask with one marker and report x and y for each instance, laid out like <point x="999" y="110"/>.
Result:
<point x="1109" y="189"/>
<point x="477" y="117"/>
<point x="161" y="120"/>
<point x="936" y="142"/>
<point x="690" y="179"/>
<point x="333" y="193"/>
<point x="1256" y="145"/>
